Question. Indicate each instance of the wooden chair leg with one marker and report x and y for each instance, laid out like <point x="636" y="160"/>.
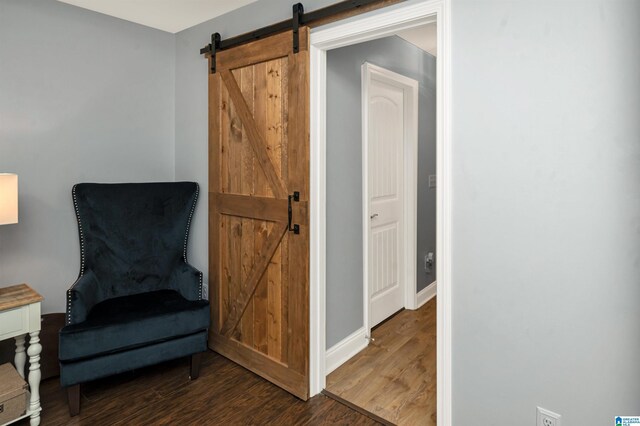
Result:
<point x="195" y="365"/>
<point x="73" y="393"/>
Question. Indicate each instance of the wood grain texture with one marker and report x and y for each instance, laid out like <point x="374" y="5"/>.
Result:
<point x="18" y="295"/>
<point x="357" y="408"/>
<point x="270" y="291"/>
<point x="395" y="376"/>
<point x="224" y="394"/>
<point x="263" y="208"/>
<point x="267" y="367"/>
<point x="280" y="45"/>
<point x="261" y="229"/>
<point x="247" y="289"/>
<point x="298" y="180"/>
<point x="245" y="77"/>
<point x="255" y="137"/>
<point x="259" y="154"/>
<point x="215" y="187"/>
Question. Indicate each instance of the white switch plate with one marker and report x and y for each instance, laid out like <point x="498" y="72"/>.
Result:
<point x="545" y="417"/>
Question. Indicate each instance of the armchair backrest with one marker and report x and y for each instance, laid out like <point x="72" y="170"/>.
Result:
<point x="133" y="235"/>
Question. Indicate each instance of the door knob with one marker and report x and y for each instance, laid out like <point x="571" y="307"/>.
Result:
<point x="373" y="216"/>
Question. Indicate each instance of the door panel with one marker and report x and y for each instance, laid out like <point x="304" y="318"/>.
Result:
<point x="385" y="144"/>
<point x="258" y="156"/>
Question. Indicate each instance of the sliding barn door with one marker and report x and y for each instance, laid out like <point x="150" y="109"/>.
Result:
<point x="258" y="209"/>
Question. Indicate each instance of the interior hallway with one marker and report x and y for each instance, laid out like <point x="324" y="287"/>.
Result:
<point x="395" y="376"/>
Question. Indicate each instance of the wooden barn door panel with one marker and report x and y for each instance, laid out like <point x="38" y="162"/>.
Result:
<point x="258" y="157"/>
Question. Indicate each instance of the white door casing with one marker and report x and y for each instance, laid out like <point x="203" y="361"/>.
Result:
<point x="370" y="26"/>
<point x="389" y="131"/>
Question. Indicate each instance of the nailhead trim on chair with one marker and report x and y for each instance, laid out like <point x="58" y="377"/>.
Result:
<point x="186" y="234"/>
<point x="69" y="306"/>
<point x="82" y="254"/>
<point x="82" y="258"/>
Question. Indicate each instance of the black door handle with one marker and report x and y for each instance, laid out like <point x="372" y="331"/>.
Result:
<point x="296" y="227"/>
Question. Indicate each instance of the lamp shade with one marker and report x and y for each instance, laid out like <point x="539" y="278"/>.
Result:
<point x="8" y="198"/>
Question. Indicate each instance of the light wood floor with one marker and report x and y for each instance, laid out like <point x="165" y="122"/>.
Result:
<point x="224" y="394"/>
<point x="395" y="376"/>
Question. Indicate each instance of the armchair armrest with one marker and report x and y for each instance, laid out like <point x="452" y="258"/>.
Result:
<point x="81" y="297"/>
<point x="187" y="280"/>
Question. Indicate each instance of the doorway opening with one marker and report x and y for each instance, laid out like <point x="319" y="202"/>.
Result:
<point x="386" y="199"/>
<point x="381" y="100"/>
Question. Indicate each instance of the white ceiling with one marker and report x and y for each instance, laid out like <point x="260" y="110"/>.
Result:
<point x="176" y="15"/>
<point x="167" y="15"/>
<point x="424" y="37"/>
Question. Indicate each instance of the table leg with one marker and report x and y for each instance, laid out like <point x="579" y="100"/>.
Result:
<point x="20" y="358"/>
<point x="34" y="376"/>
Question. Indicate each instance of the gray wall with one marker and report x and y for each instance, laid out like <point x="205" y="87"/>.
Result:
<point x="344" y="171"/>
<point x="546" y="199"/>
<point x="83" y="97"/>
<point x="546" y="178"/>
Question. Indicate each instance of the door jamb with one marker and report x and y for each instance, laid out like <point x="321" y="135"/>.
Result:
<point x="361" y="28"/>
<point x="409" y="184"/>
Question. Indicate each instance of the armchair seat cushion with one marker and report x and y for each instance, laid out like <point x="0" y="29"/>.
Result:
<point x="126" y="322"/>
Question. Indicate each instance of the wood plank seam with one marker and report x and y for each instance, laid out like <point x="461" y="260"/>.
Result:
<point x="253" y="134"/>
<point x="253" y="278"/>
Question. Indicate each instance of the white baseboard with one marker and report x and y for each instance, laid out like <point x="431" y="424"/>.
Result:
<point x="342" y="351"/>
<point x="426" y="294"/>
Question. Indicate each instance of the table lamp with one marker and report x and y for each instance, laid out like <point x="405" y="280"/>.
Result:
<point x="8" y="198"/>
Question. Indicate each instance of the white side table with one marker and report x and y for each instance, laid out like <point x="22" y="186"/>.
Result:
<point x="19" y="316"/>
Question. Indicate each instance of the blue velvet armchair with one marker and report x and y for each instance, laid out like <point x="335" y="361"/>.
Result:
<point x="137" y="301"/>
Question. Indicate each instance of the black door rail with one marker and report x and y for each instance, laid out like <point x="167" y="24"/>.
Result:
<point x="298" y="19"/>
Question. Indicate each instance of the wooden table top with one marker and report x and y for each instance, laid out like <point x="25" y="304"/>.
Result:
<point x="18" y="295"/>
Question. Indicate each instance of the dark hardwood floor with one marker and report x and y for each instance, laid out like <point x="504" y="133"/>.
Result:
<point x="224" y="394"/>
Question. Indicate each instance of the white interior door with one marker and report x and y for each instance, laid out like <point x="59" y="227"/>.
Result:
<point x="385" y="141"/>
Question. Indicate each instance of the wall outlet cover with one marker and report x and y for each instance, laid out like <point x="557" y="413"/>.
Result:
<point x="545" y="417"/>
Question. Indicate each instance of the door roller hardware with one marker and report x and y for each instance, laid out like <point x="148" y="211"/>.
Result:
<point x="298" y="19"/>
